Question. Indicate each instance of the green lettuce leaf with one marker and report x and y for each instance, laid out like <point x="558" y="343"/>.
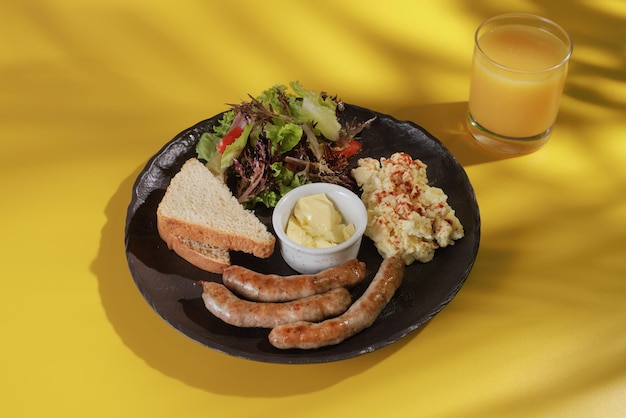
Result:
<point x="206" y="148"/>
<point x="267" y="197"/>
<point x="233" y="150"/>
<point x="321" y="111"/>
<point x="286" y="180"/>
<point x="283" y="137"/>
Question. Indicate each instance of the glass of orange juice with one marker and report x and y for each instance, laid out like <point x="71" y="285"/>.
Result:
<point x="518" y="73"/>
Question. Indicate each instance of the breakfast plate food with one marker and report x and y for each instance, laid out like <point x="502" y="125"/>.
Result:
<point x="172" y="286"/>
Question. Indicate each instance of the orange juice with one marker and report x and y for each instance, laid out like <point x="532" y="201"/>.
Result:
<point x="517" y="79"/>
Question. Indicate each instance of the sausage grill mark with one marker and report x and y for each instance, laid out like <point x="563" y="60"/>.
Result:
<point x="274" y="288"/>
<point x="360" y="315"/>
<point x="222" y="303"/>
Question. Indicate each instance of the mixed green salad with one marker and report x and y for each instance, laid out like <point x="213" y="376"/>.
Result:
<point x="280" y="140"/>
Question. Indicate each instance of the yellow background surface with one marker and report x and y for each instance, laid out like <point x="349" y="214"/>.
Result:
<point x="89" y="90"/>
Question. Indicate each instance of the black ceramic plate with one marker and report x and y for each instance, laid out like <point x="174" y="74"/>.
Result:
<point x="169" y="283"/>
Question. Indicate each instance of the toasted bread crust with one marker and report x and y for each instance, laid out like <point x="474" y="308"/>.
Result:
<point x="213" y="263"/>
<point x="216" y="238"/>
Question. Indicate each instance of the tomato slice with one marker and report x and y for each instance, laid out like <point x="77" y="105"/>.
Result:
<point x="230" y="137"/>
<point x="352" y="148"/>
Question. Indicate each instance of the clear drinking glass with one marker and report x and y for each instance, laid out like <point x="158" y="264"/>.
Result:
<point x="518" y="73"/>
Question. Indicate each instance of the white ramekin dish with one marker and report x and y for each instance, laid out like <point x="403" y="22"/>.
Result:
<point x="307" y="260"/>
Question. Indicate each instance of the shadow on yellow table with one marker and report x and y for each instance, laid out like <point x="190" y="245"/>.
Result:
<point x="172" y="354"/>
<point x="446" y="122"/>
<point x="177" y="356"/>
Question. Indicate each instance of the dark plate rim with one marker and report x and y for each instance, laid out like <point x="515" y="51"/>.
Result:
<point x="186" y="138"/>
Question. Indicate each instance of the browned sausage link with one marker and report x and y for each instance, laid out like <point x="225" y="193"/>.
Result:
<point x="222" y="303"/>
<point x="362" y="314"/>
<point x="274" y="288"/>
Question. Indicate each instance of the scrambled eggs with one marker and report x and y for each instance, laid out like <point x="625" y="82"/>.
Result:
<point x="406" y="216"/>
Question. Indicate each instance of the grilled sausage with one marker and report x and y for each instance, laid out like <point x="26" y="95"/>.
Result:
<point x="361" y="315"/>
<point x="222" y="303"/>
<point x="274" y="288"/>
